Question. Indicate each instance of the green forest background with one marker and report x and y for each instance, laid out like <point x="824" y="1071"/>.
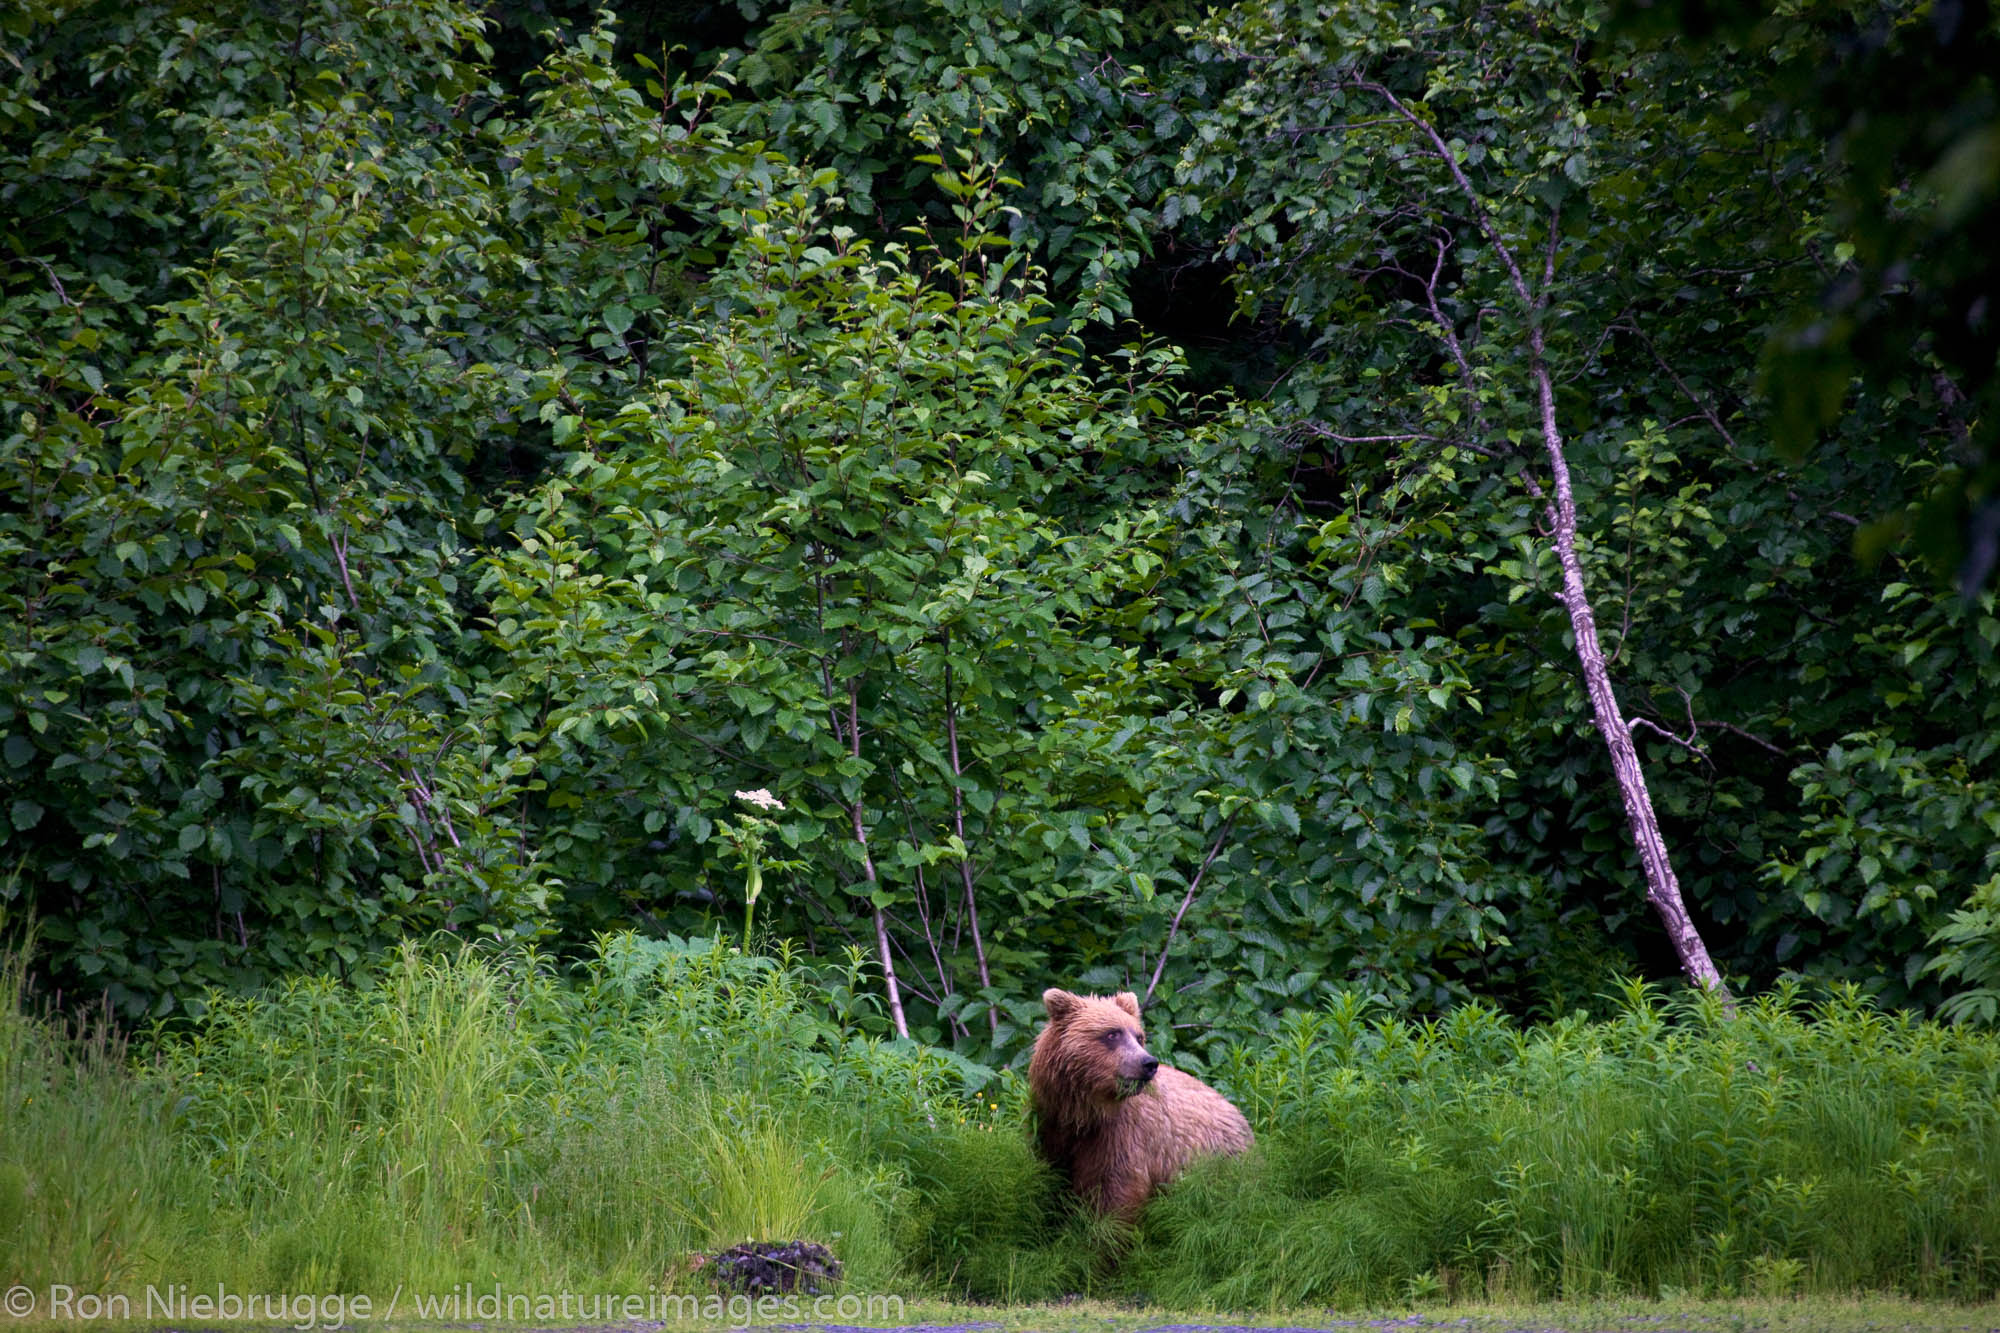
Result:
<point x="1082" y="460"/>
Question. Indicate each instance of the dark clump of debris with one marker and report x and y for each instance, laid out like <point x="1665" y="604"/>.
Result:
<point x="758" y="1267"/>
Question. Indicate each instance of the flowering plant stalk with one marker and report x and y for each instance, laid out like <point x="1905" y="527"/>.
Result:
<point x="746" y="835"/>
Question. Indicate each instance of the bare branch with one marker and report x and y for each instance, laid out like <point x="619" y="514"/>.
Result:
<point x="340" y="554"/>
<point x="1194" y="885"/>
<point x="1754" y="739"/>
<point x="860" y="826"/>
<point x="1298" y="132"/>
<point x="1634" y="722"/>
<point x="1325" y="432"/>
<point x="1662" y="887"/>
<point x="958" y="827"/>
<point x="1480" y="213"/>
<point x="1701" y="405"/>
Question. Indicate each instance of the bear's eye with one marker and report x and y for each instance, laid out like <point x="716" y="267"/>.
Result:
<point x="1111" y="1038"/>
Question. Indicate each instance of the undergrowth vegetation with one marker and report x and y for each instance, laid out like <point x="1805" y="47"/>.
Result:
<point x="454" y="1117"/>
<point x="457" y="1117"/>
<point x="1673" y="1149"/>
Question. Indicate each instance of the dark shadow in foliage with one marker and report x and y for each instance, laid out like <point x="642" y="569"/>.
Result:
<point x="1906" y="103"/>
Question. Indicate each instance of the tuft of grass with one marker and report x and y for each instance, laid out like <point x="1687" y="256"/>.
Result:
<point x="86" y="1154"/>
<point x="993" y="1222"/>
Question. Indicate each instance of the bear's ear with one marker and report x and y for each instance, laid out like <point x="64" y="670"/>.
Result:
<point x="1127" y="1001"/>
<point x="1060" y="1003"/>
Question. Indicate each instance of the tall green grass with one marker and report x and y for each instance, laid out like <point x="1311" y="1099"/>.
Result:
<point x="84" y="1149"/>
<point x="1796" y="1147"/>
<point x="458" y="1117"/>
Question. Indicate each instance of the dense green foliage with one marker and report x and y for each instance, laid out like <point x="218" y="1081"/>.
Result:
<point x="472" y="1118"/>
<point x="445" y="455"/>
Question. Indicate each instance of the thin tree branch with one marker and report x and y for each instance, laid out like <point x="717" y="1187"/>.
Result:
<point x="1662" y="888"/>
<point x="1194" y="885"/>
<point x="882" y="952"/>
<point x="1634" y="722"/>
<point x="958" y="827"/>
<point x="1754" y="739"/>
<point x="1480" y="213"/>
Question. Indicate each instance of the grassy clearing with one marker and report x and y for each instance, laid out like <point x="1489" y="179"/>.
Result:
<point x="462" y="1118"/>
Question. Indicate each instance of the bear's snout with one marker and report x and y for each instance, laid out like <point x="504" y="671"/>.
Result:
<point x="1136" y="1071"/>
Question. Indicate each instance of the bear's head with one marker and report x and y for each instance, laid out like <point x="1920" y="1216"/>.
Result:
<point x="1097" y="1043"/>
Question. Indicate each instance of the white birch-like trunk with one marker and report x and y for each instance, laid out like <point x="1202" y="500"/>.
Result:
<point x="1663" y="889"/>
<point x="883" y="954"/>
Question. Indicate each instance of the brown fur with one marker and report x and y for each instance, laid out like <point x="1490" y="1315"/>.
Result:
<point x="1115" y="1121"/>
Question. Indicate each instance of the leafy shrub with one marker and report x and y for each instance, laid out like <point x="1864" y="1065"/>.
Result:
<point x="1970" y="938"/>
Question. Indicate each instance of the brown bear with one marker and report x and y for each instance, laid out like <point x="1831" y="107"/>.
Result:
<point x="1110" y="1117"/>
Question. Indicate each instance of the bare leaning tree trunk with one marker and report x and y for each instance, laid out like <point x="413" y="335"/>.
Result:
<point x="1663" y="888"/>
<point x="858" y="818"/>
